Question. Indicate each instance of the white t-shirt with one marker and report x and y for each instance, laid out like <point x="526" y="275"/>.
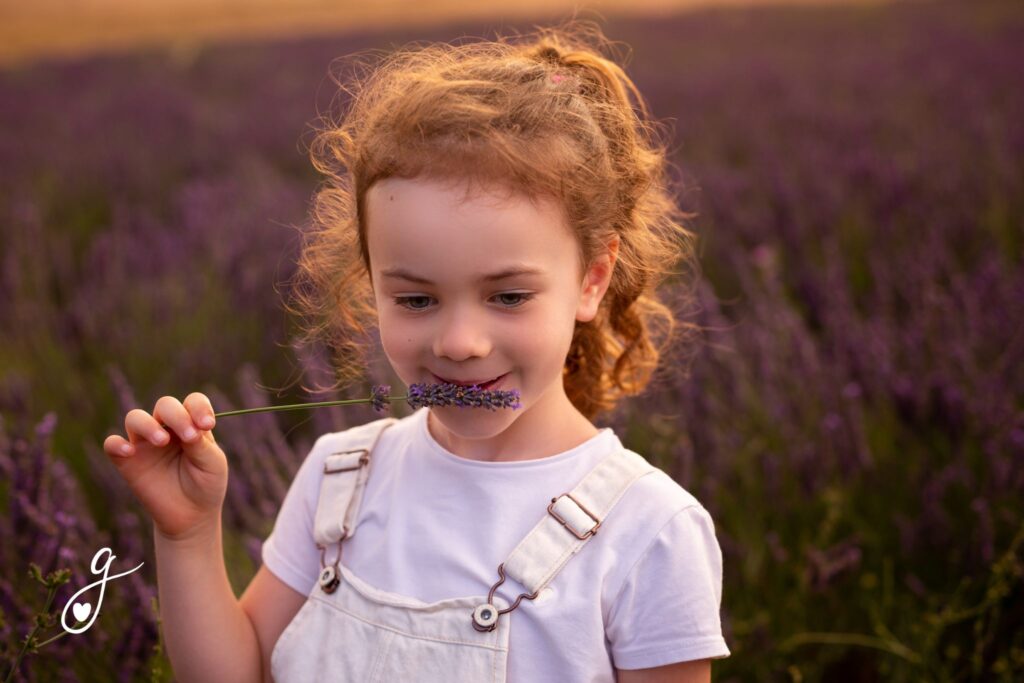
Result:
<point x="645" y="591"/>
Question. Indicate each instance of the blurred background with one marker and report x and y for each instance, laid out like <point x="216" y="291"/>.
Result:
<point x="47" y="28"/>
<point x="852" y="416"/>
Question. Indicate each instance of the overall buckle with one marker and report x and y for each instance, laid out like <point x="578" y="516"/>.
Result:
<point x="347" y="464"/>
<point x="485" y="616"/>
<point x="567" y="503"/>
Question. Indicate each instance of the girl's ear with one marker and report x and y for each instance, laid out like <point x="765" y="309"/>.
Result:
<point x="596" y="281"/>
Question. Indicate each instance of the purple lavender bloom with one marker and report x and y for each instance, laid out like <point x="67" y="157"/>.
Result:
<point x="379" y="397"/>
<point x="446" y="394"/>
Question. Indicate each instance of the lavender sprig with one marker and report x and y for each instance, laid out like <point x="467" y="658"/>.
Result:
<point x="440" y="395"/>
<point x="446" y="394"/>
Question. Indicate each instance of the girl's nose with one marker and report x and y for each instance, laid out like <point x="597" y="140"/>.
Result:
<point x="461" y="336"/>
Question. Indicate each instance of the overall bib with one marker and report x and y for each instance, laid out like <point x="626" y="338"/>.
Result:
<point x="348" y="630"/>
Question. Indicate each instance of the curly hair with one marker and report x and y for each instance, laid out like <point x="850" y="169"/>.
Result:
<point x="544" y="115"/>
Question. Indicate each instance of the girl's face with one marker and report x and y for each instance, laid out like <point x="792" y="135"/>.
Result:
<point x="478" y="288"/>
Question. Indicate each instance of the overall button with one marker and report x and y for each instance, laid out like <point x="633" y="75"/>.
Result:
<point x="485" y="616"/>
<point x="329" y="579"/>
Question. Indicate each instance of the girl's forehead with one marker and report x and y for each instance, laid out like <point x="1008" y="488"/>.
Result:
<point x="454" y="194"/>
<point x="409" y="219"/>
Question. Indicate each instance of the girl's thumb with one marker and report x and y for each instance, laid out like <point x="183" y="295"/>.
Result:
<point x="205" y="453"/>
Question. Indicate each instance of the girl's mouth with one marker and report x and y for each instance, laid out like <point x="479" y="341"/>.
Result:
<point x="486" y="385"/>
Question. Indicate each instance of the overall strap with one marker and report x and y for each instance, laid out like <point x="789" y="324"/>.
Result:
<point x="345" y="475"/>
<point x="572" y="519"/>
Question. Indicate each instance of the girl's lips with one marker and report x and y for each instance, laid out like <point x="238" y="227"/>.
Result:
<point x="493" y="384"/>
<point x="486" y="385"/>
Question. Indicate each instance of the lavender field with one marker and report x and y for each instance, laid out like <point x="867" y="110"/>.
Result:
<point x="853" y="413"/>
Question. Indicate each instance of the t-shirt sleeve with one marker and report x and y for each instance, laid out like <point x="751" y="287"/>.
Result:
<point x="668" y="608"/>
<point x="290" y="550"/>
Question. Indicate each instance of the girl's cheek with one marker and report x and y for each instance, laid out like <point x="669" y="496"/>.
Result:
<point x="395" y="338"/>
<point x="395" y="343"/>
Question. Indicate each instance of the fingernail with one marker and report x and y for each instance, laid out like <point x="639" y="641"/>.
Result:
<point x="160" y="437"/>
<point x="206" y="421"/>
<point x="190" y="433"/>
<point x="126" y="449"/>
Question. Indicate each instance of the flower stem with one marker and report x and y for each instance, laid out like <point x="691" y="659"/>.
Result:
<point x="27" y="643"/>
<point x="444" y="394"/>
<point x="303" y="406"/>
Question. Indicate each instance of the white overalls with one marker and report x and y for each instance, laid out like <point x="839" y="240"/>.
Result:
<point x="348" y="630"/>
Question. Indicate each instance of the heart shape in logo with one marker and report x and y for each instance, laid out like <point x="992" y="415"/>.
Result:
<point x="83" y="613"/>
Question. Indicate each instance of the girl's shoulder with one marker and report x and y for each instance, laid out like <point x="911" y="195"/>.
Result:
<point x="656" y="506"/>
<point x="355" y="435"/>
<point x="653" y="507"/>
<point x="657" y="491"/>
<point x="370" y="435"/>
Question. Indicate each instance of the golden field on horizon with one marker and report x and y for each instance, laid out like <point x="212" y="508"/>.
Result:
<point x="70" y="28"/>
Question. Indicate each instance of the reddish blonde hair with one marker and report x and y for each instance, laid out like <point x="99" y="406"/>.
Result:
<point x="548" y="115"/>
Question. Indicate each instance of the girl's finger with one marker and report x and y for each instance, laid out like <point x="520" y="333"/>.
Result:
<point x="116" y="445"/>
<point x="141" y="426"/>
<point x="201" y="410"/>
<point x="172" y="413"/>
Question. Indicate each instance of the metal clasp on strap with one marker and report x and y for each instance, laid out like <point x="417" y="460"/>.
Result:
<point x="363" y="460"/>
<point x="485" y="616"/>
<point x="561" y="520"/>
<point x="330" y="574"/>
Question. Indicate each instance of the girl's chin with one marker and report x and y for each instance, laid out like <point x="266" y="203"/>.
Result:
<point x="466" y="423"/>
<point x="471" y="423"/>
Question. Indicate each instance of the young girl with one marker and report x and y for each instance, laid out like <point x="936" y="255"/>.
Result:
<point x="498" y="212"/>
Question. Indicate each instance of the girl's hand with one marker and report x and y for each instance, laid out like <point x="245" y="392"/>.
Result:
<point x="179" y="474"/>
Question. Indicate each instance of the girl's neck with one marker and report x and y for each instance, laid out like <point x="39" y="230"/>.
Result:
<point x="547" y="428"/>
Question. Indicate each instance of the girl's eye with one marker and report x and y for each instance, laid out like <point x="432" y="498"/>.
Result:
<point x="523" y="297"/>
<point x="411" y="301"/>
<point x="421" y="303"/>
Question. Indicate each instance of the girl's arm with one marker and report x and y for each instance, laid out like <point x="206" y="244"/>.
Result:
<point x="271" y="605"/>
<point x="643" y="625"/>
<point x="697" y="671"/>
<point x="175" y="468"/>
<point x="208" y="635"/>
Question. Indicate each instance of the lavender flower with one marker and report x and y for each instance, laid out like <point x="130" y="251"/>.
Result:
<point x="379" y="397"/>
<point x="440" y="395"/>
<point x="446" y="394"/>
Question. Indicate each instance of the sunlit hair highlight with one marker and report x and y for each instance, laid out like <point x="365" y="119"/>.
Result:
<point x="541" y="115"/>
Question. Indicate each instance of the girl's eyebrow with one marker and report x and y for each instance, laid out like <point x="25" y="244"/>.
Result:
<point x="511" y="271"/>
